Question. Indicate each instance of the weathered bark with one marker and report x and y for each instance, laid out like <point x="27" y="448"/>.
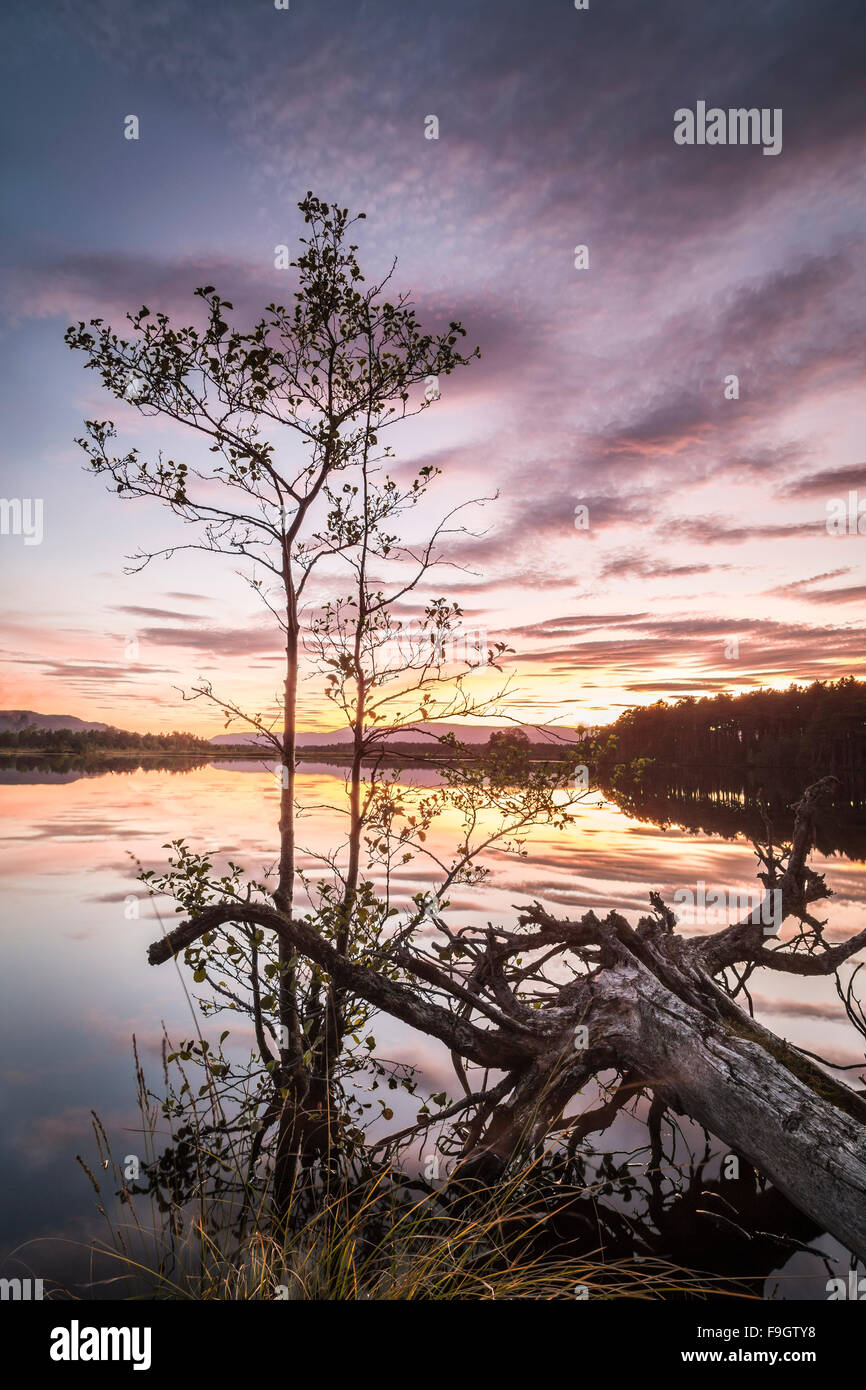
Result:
<point x="804" y="1132"/>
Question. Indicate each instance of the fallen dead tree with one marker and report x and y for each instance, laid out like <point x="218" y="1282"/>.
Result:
<point x="654" y="1006"/>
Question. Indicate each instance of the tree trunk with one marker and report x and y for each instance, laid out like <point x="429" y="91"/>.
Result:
<point x="290" y="1075"/>
<point x="804" y="1132"/>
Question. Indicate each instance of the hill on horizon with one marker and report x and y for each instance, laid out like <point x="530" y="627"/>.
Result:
<point x="14" y="720"/>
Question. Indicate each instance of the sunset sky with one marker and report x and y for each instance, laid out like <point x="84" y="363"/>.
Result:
<point x="603" y="387"/>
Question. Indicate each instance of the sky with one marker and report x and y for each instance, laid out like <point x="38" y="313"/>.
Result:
<point x="706" y="563"/>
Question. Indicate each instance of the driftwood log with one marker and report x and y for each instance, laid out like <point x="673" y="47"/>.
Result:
<point x="653" y="1005"/>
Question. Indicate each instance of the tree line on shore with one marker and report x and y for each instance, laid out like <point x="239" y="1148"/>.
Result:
<point x="817" y="728"/>
<point x="83" y="741"/>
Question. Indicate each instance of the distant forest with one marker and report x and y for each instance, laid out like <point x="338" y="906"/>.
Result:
<point x="819" y="728"/>
<point x="33" y="740"/>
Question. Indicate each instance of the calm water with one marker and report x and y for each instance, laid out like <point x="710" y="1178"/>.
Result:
<point x="76" y="930"/>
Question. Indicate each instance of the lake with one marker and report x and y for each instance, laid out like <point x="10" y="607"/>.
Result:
<point x="77" y="927"/>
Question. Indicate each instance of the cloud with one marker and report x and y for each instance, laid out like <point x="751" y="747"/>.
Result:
<point x="828" y="481"/>
<point x="800" y="1008"/>
<point x="67" y="1131"/>
<point x="80" y="674"/>
<point x="84" y="285"/>
<point x="157" y="613"/>
<point x="224" y="642"/>
<point x="717" y="530"/>
<point x="852" y="593"/>
<point x="643" y="566"/>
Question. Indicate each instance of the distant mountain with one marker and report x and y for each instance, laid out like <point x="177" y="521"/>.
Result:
<point x="467" y="733"/>
<point x="343" y="736"/>
<point x="14" y="720"/>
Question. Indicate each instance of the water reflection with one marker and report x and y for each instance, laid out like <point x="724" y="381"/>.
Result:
<point x="77" y="926"/>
